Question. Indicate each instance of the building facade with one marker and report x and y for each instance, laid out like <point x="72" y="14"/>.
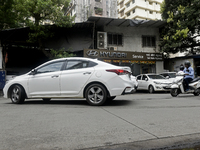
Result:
<point x="83" y="9"/>
<point x="139" y="9"/>
<point x="122" y="42"/>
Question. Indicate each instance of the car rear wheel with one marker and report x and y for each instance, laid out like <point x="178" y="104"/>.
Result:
<point x="17" y="94"/>
<point x="151" y="89"/>
<point x="96" y="94"/>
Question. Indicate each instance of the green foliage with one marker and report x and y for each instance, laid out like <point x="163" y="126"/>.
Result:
<point x="61" y="54"/>
<point x="183" y="26"/>
<point x="7" y="15"/>
<point x="37" y="13"/>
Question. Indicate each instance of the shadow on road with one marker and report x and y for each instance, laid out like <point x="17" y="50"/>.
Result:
<point x="73" y="102"/>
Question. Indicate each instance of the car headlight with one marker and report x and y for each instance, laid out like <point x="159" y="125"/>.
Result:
<point x="157" y="82"/>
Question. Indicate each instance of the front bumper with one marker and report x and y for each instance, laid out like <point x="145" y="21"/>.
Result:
<point x="166" y="87"/>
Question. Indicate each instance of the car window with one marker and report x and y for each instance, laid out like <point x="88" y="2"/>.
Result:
<point x="138" y="77"/>
<point x="52" y="67"/>
<point x="76" y="64"/>
<point x="164" y="75"/>
<point x="156" y="77"/>
<point x="143" y="77"/>
<point x="172" y="75"/>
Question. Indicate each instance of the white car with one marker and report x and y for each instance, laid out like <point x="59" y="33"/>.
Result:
<point x="95" y="80"/>
<point x="169" y="75"/>
<point x="153" y="82"/>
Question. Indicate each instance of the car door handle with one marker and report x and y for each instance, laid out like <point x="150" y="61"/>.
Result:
<point x="86" y="73"/>
<point x="55" y="76"/>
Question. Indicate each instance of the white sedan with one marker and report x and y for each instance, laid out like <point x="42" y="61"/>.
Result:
<point x="92" y="79"/>
<point x="153" y="82"/>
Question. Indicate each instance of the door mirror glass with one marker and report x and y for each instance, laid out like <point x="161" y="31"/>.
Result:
<point x="146" y="79"/>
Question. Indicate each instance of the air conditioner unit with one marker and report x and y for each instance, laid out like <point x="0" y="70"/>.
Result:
<point x="114" y="48"/>
<point x="101" y="40"/>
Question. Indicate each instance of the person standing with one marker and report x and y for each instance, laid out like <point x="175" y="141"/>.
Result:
<point x="189" y="75"/>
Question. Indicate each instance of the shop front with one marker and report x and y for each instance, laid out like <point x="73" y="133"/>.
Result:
<point x="139" y="62"/>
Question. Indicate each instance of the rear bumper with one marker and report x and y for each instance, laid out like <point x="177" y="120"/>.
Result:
<point x="129" y="90"/>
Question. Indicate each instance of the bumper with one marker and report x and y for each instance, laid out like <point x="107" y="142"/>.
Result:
<point x="128" y="90"/>
<point x="162" y="87"/>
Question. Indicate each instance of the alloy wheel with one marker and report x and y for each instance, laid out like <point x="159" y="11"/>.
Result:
<point x="96" y="94"/>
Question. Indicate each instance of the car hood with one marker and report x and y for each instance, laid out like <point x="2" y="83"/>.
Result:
<point x="162" y="80"/>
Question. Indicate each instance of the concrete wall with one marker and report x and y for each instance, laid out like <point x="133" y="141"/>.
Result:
<point x="159" y="67"/>
<point x="132" y="38"/>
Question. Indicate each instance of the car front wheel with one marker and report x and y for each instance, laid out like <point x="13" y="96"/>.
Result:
<point x="96" y="94"/>
<point x="17" y="94"/>
<point x="151" y="89"/>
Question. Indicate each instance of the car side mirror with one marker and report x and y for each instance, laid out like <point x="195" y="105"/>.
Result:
<point x="146" y="79"/>
<point x="167" y="77"/>
<point x="33" y="72"/>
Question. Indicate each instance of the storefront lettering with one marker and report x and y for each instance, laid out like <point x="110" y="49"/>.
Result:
<point x="137" y="56"/>
<point x="118" y="55"/>
<point x="112" y="54"/>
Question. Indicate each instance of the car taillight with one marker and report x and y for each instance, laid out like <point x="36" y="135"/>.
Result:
<point x="118" y="71"/>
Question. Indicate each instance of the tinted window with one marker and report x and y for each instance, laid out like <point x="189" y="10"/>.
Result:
<point x="143" y="77"/>
<point x="172" y="75"/>
<point x="156" y="77"/>
<point x="56" y="66"/>
<point x="139" y="78"/>
<point x="164" y="75"/>
<point x="78" y="64"/>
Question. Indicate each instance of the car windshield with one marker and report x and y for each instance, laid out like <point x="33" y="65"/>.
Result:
<point x="172" y="75"/>
<point x="156" y="77"/>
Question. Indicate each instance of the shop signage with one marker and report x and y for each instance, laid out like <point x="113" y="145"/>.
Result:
<point x="109" y="54"/>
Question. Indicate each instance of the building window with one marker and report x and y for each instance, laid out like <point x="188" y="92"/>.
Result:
<point x="133" y="11"/>
<point x="128" y="14"/>
<point x="97" y="0"/>
<point x="115" y="39"/>
<point x="127" y="5"/>
<point x="148" y="41"/>
<point x="151" y="12"/>
<point x="133" y="1"/>
<point x="98" y="11"/>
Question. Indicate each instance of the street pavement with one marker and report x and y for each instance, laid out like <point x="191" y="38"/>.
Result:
<point x="138" y="121"/>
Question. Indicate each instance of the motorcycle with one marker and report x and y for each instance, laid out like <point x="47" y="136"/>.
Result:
<point x="178" y="86"/>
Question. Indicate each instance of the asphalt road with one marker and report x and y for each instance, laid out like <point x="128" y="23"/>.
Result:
<point x="131" y="122"/>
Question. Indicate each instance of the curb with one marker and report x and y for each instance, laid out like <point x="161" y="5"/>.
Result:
<point x="166" y="143"/>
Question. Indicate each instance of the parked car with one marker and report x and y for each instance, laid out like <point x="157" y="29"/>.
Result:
<point x="153" y="82"/>
<point x="169" y="75"/>
<point x="95" y="80"/>
<point x="172" y="76"/>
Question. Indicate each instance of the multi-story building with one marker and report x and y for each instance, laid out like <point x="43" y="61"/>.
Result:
<point x="139" y="9"/>
<point x="82" y="9"/>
